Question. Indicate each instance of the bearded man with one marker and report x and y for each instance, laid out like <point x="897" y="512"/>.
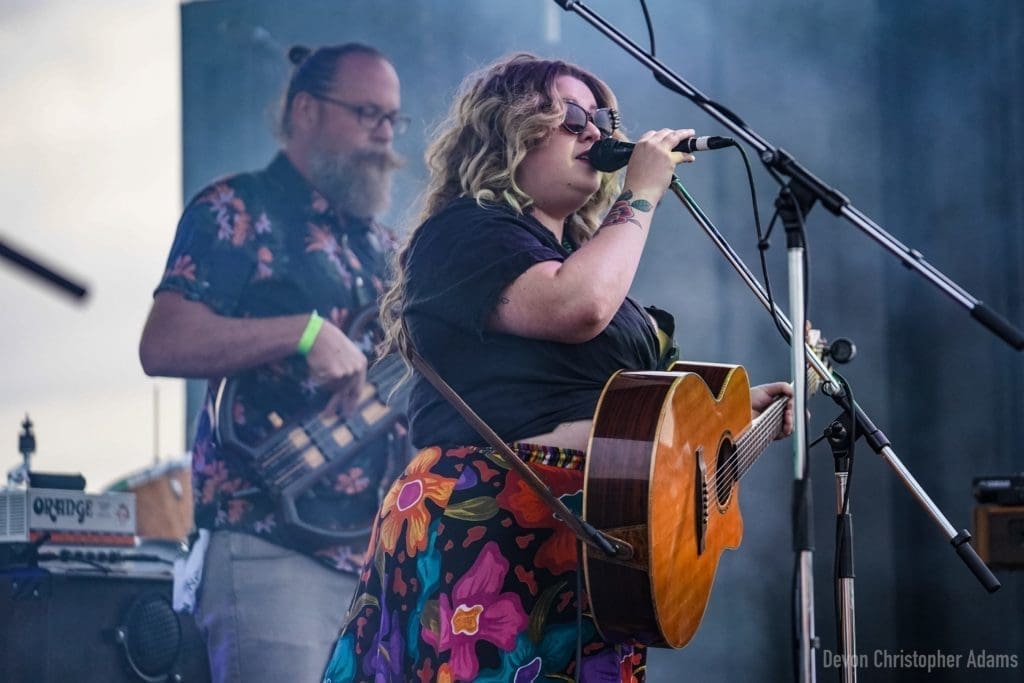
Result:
<point x="266" y="275"/>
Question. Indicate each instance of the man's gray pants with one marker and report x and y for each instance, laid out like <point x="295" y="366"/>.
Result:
<point x="268" y="613"/>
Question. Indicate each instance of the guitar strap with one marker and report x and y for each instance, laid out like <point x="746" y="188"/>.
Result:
<point x="609" y="545"/>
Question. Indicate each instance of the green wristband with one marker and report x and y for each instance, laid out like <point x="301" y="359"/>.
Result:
<point x="309" y="334"/>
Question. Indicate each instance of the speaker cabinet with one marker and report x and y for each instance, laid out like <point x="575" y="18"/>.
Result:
<point x="999" y="530"/>
<point x="98" y="626"/>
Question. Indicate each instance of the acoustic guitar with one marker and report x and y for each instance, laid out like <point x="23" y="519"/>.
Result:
<point x="666" y="453"/>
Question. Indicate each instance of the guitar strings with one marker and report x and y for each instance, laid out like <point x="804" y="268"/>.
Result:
<point x="764" y="432"/>
<point x="323" y="428"/>
<point x="749" y="447"/>
<point x="752" y="443"/>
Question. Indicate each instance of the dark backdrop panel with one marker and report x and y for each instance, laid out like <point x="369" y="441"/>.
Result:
<point x="956" y="394"/>
<point x="873" y="97"/>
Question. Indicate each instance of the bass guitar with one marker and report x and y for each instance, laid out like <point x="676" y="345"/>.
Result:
<point x="302" y="449"/>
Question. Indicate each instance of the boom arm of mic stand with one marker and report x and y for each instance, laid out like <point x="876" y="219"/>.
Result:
<point x="872" y="434"/>
<point x="839" y="205"/>
<point x="879" y="443"/>
<point x="782" y="163"/>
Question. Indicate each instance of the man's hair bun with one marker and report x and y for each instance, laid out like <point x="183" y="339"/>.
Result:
<point x="297" y="54"/>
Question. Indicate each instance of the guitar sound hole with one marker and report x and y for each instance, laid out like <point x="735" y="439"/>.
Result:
<point x="725" y="472"/>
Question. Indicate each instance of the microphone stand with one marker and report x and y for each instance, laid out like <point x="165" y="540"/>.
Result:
<point x="802" y="507"/>
<point x="802" y="532"/>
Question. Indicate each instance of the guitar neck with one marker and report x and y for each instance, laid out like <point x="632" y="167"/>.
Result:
<point x="762" y="431"/>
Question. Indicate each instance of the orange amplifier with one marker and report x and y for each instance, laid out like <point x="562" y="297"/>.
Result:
<point x="69" y="517"/>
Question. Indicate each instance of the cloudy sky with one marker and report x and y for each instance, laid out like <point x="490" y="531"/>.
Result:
<point x="91" y="183"/>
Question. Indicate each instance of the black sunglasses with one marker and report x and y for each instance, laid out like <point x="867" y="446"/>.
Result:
<point x="576" y="118"/>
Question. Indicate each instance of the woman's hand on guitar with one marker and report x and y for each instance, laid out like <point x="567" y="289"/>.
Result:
<point x="763" y="395"/>
<point x="337" y="364"/>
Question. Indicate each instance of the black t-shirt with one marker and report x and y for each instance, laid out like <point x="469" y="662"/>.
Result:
<point x="458" y="264"/>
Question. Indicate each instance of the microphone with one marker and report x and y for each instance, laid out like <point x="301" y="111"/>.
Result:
<point x="609" y="154"/>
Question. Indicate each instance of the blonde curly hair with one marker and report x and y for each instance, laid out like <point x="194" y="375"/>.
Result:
<point x="499" y="114"/>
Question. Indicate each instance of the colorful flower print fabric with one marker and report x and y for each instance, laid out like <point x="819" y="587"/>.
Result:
<point x="470" y="577"/>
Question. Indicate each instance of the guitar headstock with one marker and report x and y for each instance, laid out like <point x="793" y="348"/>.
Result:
<point x="819" y="345"/>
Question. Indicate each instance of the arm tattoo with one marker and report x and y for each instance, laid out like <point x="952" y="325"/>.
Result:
<point x="622" y="210"/>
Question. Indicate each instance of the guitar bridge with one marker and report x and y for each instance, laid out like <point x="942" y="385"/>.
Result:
<point x="700" y="515"/>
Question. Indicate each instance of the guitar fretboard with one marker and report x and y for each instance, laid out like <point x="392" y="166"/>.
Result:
<point x="757" y="438"/>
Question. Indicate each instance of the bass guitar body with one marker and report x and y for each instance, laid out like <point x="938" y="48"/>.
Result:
<point x="301" y="449"/>
<point x="661" y="474"/>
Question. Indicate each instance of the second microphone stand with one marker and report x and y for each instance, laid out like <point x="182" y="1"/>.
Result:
<point x="840" y="437"/>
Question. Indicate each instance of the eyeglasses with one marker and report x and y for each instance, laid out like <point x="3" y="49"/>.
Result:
<point x="370" y="117"/>
<point x="576" y="118"/>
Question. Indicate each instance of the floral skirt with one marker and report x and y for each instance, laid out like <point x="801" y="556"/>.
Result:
<point x="470" y="577"/>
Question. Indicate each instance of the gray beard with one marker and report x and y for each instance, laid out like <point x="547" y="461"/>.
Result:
<point x="359" y="183"/>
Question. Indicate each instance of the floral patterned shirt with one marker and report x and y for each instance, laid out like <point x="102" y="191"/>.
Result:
<point x="267" y="244"/>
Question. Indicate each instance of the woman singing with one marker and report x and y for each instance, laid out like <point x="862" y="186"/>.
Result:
<point x="514" y="288"/>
